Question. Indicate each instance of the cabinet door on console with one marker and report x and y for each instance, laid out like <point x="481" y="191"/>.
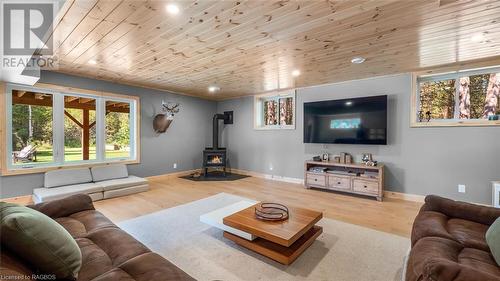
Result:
<point x="339" y="182"/>
<point x="365" y="186"/>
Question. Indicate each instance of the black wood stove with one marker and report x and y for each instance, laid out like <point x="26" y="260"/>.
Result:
<point x="216" y="157"/>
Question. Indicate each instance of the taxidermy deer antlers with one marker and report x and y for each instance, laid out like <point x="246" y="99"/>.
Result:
<point x="161" y="122"/>
<point x="170" y="108"/>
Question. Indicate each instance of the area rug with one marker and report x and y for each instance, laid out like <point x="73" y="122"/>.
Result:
<point x="216" y="176"/>
<point x="343" y="252"/>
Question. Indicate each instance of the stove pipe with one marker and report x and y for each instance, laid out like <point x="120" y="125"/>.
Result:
<point x="215" y="137"/>
<point x="228" y="119"/>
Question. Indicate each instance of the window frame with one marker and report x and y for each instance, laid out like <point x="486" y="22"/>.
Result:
<point x="259" y="113"/>
<point x="59" y="92"/>
<point x="417" y="78"/>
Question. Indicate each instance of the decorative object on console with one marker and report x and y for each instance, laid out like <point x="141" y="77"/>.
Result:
<point x="342" y="157"/>
<point x="348" y="158"/>
<point x="271" y="212"/>
<point x="317" y="158"/>
<point x="336" y="159"/>
<point x="162" y="122"/>
<point x="318" y="169"/>
<point x="326" y="157"/>
<point x="367" y="157"/>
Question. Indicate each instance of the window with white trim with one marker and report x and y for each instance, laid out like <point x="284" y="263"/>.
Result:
<point x="47" y="128"/>
<point x="275" y="110"/>
<point x="464" y="97"/>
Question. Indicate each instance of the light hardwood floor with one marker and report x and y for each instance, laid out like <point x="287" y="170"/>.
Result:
<point x="392" y="215"/>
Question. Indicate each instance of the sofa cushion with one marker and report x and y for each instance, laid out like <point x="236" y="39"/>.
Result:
<point x="47" y="194"/>
<point x="436" y="258"/>
<point x="493" y="240"/>
<point x="434" y="224"/>
<point x="67" y="177"/>
<point x="109" y="172"/>
<point x="41" y="241"/>
<point x="122" y="183"/>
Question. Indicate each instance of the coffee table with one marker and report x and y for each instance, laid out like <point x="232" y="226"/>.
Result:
<point x="282" y="241"/>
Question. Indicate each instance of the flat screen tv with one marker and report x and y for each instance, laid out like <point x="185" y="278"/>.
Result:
<point x="349" y="121"/>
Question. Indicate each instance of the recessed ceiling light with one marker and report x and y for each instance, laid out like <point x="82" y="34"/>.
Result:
<point x="478" y="37"/>
<point x="173" y="9"/>
<point x="213" y="89"/>
<point x="92" y="62"/>
<point x="348" y="103"/>
<point x="296" y="72"/>
<point x="358" y="60"/>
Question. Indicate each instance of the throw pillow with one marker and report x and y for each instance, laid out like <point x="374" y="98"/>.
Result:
<point x="39" y="240"/>
<point x="493" y="239"/>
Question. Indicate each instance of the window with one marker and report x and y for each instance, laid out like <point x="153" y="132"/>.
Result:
<point x="459" y="98"/>
<point x="275" y="111"/>
<point x="52" y="128"/>
<point x="117" y="129"/>
<point x="31" y="134"/>
<point x="79" y="128"/>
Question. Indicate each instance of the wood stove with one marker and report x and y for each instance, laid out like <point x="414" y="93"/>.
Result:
<point x="216" y="157"/>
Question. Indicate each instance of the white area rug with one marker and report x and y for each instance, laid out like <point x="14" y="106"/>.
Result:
<point x="343" y="252"/>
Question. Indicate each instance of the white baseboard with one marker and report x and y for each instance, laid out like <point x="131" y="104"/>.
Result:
<point x="267" y="176"/>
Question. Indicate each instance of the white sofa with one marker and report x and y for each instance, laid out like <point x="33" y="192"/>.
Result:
<point x="99" y="182"/>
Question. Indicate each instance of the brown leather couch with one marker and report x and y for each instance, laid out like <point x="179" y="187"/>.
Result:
<point x="108" y="252"/>
<point x="448" y="242"/>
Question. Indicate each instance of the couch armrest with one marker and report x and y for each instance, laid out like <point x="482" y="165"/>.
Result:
<point x="66" y="206"/>
<point x="462" y="210"/>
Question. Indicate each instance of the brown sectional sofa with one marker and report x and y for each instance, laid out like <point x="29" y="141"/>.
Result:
<point x="448" y="242"/>
<point x="108" y="253"/>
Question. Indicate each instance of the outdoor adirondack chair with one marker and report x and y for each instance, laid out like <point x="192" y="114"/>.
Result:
<point x="27" y="154"/>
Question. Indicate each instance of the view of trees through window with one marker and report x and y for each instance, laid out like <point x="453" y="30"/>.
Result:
<point x="468" y="97"/>
<point x="117" y="129"/>
<point x="31" y="127"/>
<point x="79" y="128"/>
<point x="278" y="111"/>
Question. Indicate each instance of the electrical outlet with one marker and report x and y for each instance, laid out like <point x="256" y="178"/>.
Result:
<point x="175" y="165"/>
<point x="461" y="188"/>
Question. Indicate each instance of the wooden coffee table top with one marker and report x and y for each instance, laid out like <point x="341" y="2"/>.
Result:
<point x="281" y="232"/>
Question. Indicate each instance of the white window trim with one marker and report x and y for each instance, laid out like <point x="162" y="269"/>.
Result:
<point x="58" y="92"/>
<point x="258" y="110"/>
<point x="415" y="100"/>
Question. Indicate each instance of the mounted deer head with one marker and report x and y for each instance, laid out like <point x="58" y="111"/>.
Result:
<point x="161" y="122"/>
<point x="170" y="108"/>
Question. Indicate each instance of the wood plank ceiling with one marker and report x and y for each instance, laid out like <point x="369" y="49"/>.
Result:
<point x="251" y="46"/>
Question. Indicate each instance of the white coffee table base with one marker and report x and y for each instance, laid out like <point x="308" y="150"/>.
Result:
<point x="214" y="218"/>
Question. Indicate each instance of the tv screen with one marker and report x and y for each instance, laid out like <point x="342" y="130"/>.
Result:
<point x="349" y="121"/>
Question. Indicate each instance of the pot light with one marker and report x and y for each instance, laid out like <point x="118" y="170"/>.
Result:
<point x="173" y="9"/>
<point x="296" y="73"/>
<point x="213" y="89"/>
<point x="478" y="37"/>
<point x="348" y="103"/>
<point x="358" y="60"/>
<point x="92" y="62"/>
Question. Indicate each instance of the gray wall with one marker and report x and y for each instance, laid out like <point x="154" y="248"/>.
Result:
<point x="183" y="142"/>
<point x="419" y="160"/>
